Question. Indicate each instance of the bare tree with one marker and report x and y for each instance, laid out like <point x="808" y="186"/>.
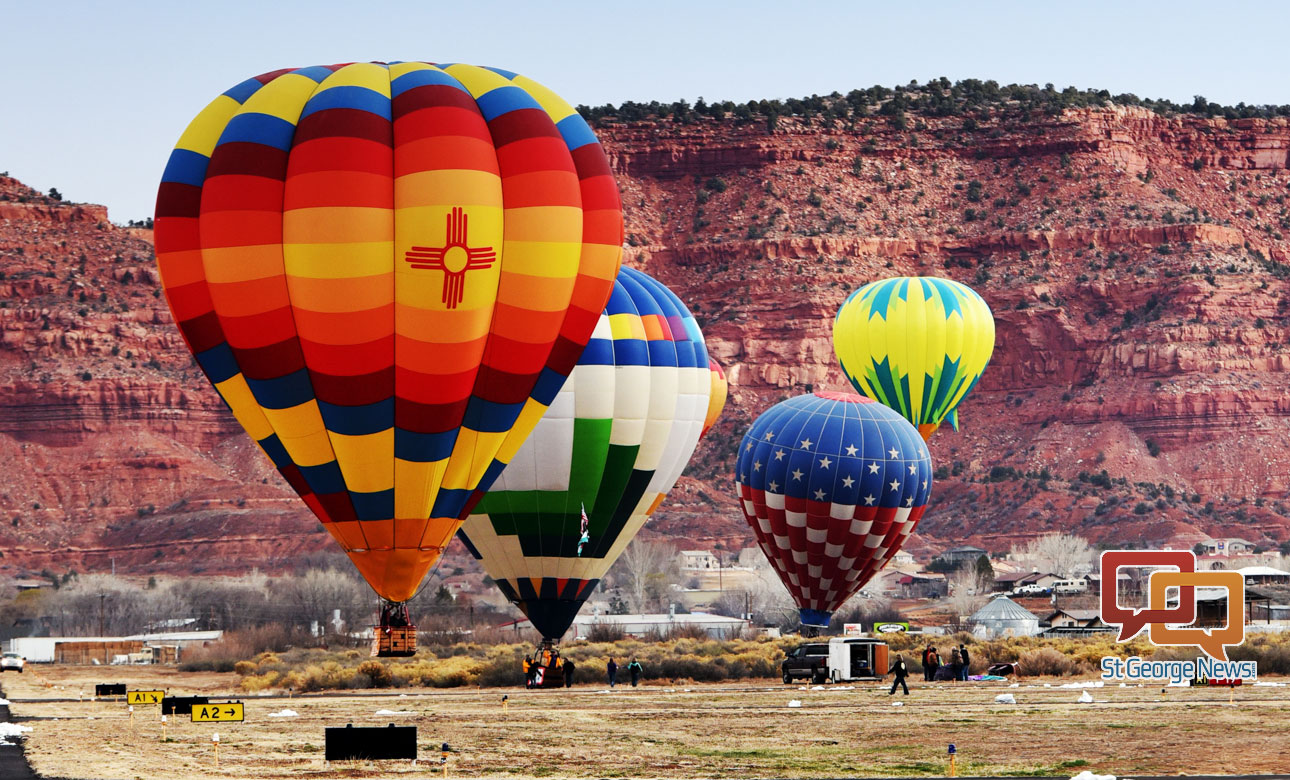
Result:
<point x="1066" y="555"/>
<point x="967" y="593"/>
<point x="646" y="571"/>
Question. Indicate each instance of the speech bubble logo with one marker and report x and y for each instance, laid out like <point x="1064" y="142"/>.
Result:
<point x="1212" y="641"/>
<point x="1132" y="621"/>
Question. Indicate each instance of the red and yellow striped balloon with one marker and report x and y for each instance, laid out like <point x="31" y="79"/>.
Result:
<point x="388" y="271"/>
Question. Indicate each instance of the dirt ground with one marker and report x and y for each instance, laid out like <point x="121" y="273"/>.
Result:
<point x="712" y="730"/>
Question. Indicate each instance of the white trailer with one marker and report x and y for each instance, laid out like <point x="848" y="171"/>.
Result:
<point x="857" y="658"/>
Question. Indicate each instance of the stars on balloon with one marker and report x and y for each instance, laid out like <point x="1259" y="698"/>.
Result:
<point x="779" y="454"/>
<point x="873" y="468"/>
<point x="893" y="452"/>
<point x="819" y="495"/>
<point x="895" y="485"/>
<point x="825" y="462"/>
<point x="797" y="474"/>
<point x="913" y="469"/>
<point x="756" y="465"/>
<point x="869" y="499"/>
<point x="773" y="486"/>
<point x="806" y="443"/>
<point x="851" y="450"/>
<point x="848" y="482"/>
<point x="770" y="435"/>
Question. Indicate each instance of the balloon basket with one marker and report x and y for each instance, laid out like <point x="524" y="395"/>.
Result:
<point x="394" y="642"/>
<point x="548" y="667"/>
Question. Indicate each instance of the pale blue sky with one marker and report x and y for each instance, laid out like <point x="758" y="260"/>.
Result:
<point x="94" y="94"/>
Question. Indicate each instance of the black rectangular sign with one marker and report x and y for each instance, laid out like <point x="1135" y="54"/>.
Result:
<point x="181" y="705"/>
<point x="371" y="743"/>
<point x="109" y="689"/>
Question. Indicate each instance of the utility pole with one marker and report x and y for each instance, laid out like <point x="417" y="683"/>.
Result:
<point x="102" y="597"/>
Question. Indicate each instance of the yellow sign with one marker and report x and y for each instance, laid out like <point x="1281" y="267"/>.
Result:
<point x="219" y="712"/>
<point x="145" y="697"/>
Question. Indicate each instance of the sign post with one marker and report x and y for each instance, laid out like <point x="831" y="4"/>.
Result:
<point x="215" y="739"/>
<point x="953" y="770"/>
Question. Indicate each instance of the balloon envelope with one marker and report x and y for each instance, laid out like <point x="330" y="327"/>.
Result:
<point x="612" y="444"/>
<point x="717" y="398"/>
<point x="832" y="484"/>
<point x="387" y="272"/>
<point x="916" y="344"/>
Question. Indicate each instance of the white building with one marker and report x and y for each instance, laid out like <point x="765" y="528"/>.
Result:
<point x="698" y="559"/>
<point x="716" y="626"/>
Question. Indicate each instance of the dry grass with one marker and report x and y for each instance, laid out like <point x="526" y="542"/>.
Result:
<point x="744" y="731"/>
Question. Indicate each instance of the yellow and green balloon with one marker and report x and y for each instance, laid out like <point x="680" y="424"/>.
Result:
<point x="917" y="344"/>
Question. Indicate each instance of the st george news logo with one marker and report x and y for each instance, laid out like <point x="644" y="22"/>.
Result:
<point x="1168" y="626"/>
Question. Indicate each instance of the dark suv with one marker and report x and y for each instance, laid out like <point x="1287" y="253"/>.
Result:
<point x="807" y="661"/>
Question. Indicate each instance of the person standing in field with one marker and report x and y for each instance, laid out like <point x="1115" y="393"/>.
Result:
<point x="927" y="663"/>
<point x="956" y="664"/>
<point x="967" y="661"/>
<point x="634" y="669"/>
<point x="528" y="672"/>
<point x="611" y="669"/>
<point x="568" y="674"/>
<point x="898" y="669"/>
<point x="933" y="663"/>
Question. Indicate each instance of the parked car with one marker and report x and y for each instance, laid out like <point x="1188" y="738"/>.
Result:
<point x="809" y="661"/>
<point x="1031" y="590"/>
<point x="12" y="661"/>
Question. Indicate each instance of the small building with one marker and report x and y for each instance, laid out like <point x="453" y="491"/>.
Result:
<point x="1075" y="618"/>
<point x="699" y="559"/>
<point x="1264" y="575"/>
<point x="1229" y="546"/>
<point x="925" y="585"/>
<point x="1003" y="617"/>
<point x="965" y="554"/>
<point x="902" y="558"/>
<point x="716" y="626"/>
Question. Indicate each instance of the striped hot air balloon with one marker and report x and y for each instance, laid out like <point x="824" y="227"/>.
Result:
<point x="832" y="484"/>
<point x="613" y="443"/>
<point x="916" y="344"/>
<point x="717" y="400"/>
<point x="388" y="271"/>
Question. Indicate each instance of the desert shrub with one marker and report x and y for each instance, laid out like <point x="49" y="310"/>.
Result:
<point x="245" y="667"/>
<point x="379" y="674"/>
<point x="259" y="682"/>
<point x="604" y="632"/>
<point x="1047" y="661"/>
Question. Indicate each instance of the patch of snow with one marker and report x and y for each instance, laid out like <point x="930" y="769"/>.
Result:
<point x="817" y="688"/>
<point x="284" y="714"/>
<point x="844" y="688"/>
<point x="1015" y="685"/>
<point x="795" y="703"/>
<point x="898" y="704"/>
<point x="1085" y="698"/>
<point x="4" y="702"/>
<point x="1087" y="775"/>
<point x="395" y="712"/>
<point x="1005" y="698"/>
<point x="13" y="730"/>
<point x="1264" y="683"/>
<point x="1084" y="684"/>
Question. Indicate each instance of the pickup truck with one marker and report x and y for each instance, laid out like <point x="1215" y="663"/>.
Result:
<point x="810" y="661"/>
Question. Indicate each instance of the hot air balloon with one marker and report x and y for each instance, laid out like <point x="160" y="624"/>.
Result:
<point x="388" y="271"/>
<point x="916" y="344"/>
<point x="600" y="461"/>
<point x="832" y="484"/>
<point x="717" y="399"/>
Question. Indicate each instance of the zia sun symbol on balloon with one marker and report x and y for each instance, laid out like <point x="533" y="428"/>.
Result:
<point x="454" y="258"/>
